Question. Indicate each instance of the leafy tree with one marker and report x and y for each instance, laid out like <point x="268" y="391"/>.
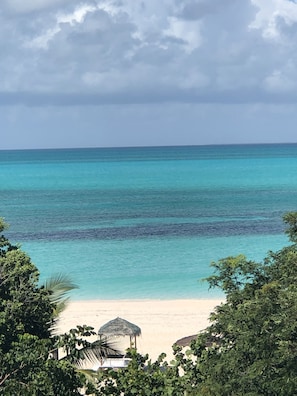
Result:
<point x="250" y="348"/>
<point x="28" y="314"/>
<point x="78" y="350"/>
<point x="141" y="377"/>
<point x="26" y="319"/>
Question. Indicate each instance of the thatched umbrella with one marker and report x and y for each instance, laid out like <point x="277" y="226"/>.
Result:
<point x="120" y="327"/>
<point x="186" y="341"/>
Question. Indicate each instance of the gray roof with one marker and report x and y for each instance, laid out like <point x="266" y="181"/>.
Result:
<point x="186" y="341"/>
<point x="119" y="327"/>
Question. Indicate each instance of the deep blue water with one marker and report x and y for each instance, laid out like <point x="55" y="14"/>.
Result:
<point x="146" y="222"/>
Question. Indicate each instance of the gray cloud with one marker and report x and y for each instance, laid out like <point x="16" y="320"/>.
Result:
<point x="29" y="6"/>
<point x="104" y="52"/>
<point x="200" y="8"/>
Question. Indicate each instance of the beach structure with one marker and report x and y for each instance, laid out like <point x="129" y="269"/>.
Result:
<point x="186" y="341"/>
<point x="119" y="327"/>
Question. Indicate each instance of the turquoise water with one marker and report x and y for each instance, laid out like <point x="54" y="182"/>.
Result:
<point x="146" y="222"/>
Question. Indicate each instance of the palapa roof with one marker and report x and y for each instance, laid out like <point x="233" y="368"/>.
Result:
<point x="186" y="341"/>
<point x="119" y="327"/>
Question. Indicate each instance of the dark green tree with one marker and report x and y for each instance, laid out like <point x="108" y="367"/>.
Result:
<point x="26" y="319"/>
<point x="142" y="377"/>
<point x="250" y="348"/>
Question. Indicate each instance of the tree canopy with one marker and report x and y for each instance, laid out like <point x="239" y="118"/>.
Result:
<point x="26" y="318"/>
<point x="250" y="348"/>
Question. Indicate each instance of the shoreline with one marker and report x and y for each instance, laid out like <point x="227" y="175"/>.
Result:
<point x="162" y="322"/>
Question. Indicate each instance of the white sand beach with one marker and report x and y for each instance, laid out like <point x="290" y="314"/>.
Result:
<point x="162" y="322"/>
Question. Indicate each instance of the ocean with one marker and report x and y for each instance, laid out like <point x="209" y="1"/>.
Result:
<point x="146" y="222"/>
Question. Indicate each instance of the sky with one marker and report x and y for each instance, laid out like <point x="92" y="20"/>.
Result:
<point x="106" y="73"/>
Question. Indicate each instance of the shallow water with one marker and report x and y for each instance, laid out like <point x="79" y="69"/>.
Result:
<point x="146" y="222"/>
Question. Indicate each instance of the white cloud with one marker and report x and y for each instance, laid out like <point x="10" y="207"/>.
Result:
<point x="269" y="15"/>
<point x="77" y="16"/>
<point x="188" y="31"/>
<point x="42" y="40"/>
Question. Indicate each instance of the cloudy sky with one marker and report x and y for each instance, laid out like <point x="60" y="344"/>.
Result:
<point x="95" y="73"/>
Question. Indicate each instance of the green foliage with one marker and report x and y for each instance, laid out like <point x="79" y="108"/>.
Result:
<point x="26" y="319"/>
<point x="250" y="348"/>
<point x="27" y="370"/>
<point x="79" y="350"/>
<point x="143" y="377"/>
<point x="58" y="287"/>
<point x="291" y="220"/>
<point x="73" y="341"/>
<point x="24" y="308"/>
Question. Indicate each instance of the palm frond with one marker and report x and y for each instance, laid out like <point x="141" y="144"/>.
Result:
<point x="59" y="286"/>
<point x="97" y="351"/>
